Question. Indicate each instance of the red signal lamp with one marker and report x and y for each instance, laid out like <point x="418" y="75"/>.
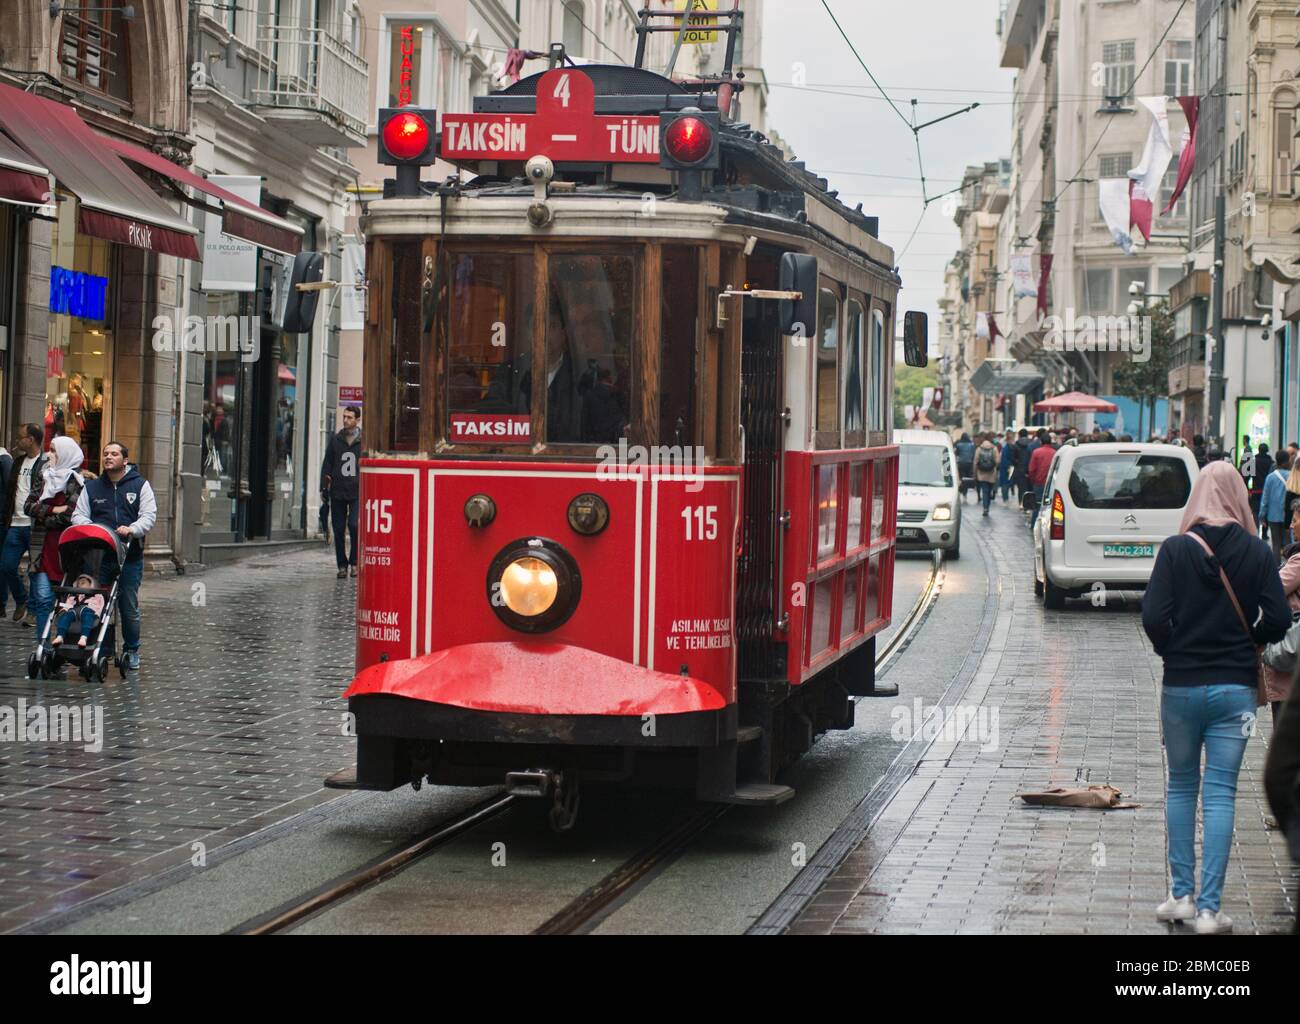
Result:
<point x="689" y="140"/>
<point x="406" y="136"/>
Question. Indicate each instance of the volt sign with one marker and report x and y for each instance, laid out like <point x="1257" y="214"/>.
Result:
<point x="565" y="128"/>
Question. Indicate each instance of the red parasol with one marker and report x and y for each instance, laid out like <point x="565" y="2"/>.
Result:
<point x="1075" y="401"/>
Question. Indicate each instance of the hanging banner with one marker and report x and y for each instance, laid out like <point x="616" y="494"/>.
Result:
<point x="1141" y="209"/>
<point x="1044" y="276"/>
<point x="230" y="264"/>
<point x="1116" y="210"/>
<point x="1022" y="277"/>
<point x="1187" y="158"/>
<point x="981" y="325"/>
<point x="352" y="314"/>
<point x="1150" y="171"/>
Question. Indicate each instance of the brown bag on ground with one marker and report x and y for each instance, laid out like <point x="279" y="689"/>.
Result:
<point x="1101" y="797"/>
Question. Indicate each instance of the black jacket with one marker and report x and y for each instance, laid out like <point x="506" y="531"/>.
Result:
<point x="1189" y="616"/>
<point x="1282" y="771"/>
<point x="343" y="466"/>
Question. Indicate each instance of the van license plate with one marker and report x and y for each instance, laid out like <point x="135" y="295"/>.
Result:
<point x="910" y="534"/>
<point x="1128" y="550"/>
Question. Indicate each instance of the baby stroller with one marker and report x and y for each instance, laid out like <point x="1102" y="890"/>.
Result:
<point x="82" y="550"/>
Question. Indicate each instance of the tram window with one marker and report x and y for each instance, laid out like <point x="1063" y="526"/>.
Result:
<point x="828" y="349"/>
<point x="877" y="401"/>
<point x="589" y="327"/>
<point x="406" y="348"/>
<point x="853" y="338"/>
<point x="679" y="320"/>
<point x="491" y="332"/>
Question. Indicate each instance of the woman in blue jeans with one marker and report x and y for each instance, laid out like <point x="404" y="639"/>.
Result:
<point x="1211" y="676"/>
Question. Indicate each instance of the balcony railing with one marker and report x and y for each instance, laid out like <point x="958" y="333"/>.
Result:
<point x="314" y="84"/>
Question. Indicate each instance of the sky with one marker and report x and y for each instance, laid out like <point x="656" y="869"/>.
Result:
<point x="942" y="53"/>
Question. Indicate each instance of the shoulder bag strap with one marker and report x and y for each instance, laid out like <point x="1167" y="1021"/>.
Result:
<point x="1227" y="584"/>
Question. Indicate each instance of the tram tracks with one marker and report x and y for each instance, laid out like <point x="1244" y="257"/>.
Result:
<point x="584" y="913"/>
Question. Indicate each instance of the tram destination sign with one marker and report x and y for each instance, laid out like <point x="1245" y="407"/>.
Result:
<point x="565" y="128"/>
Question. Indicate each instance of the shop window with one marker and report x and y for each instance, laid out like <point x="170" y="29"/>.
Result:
<point x="220" y="431"/>
<point x="80" y="351"/>
<point x="828" y="349"/>
<point x="93" y="49"/>
<point x="590" y="318"/>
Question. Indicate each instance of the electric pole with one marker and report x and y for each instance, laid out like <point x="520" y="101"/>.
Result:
<point x="1216" y="383"/>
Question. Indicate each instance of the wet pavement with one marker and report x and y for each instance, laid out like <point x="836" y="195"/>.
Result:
<point x="1076" y="694"/>
<point x="233" y="721"/>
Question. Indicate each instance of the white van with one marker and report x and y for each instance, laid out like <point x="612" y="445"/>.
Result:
<point x="1106" y="510"/>
<point x="929" y="500"/>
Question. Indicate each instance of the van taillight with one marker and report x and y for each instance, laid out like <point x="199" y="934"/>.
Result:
<point x="1058" y="517"/>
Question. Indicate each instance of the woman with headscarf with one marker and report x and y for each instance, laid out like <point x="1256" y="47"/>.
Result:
<point x="1209" y="584"/>
<point x="50" y="512"/>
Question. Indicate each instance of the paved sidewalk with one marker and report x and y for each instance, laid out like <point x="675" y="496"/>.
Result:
<point x="1077" y="698"/>
<point x="234" y="720"/>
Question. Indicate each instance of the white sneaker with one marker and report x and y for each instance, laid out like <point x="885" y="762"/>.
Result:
<point x="1209" y="922"/>
<point x="1181" y="908"/>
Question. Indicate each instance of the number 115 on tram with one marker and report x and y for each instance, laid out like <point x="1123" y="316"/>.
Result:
<point x="629" y="489"/>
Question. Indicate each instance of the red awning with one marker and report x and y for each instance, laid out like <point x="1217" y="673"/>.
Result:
<point x="22" y="179"/>
<point x="114" y="202"/>
<point x="240" y="218"/>
<point x="1075" y="401"/>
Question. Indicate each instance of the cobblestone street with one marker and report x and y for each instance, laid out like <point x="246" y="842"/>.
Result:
<point x="1077" y="698"/>
<point x="233" y="722"/>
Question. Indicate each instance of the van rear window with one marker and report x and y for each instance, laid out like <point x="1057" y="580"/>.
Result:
<point x="1129" y="481"/>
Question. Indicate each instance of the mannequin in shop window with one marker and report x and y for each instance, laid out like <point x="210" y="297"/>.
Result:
<point x="92" y="423"/>
<point x="77" y="407"/>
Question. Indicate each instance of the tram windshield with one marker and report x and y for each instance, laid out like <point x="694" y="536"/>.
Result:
<point x="589" y="325"/>
<point x="924" y="465"/>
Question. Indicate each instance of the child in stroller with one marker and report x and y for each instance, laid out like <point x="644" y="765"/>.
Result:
<point x="84" y="604"/>
<point x="83" y="607"/>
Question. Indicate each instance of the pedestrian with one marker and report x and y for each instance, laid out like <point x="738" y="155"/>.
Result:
<point x="1006" y="463"/>
<point x="1020" y="468"/>
<point x="1246" y="454"/>
<point x="340" y="478"/>
<point x="1282" y="780"/>
<point x="1260" y="468"/>
<point x="6" y="472"/>
<point x="964" y="449"/>
<point x="1199" y="451"/>
<point x="1209" y="583"/>
<point x="1279" y="664"/>
<point x="50" y="510"/>
<point x="122" y="500"/>
<point x="1039" y="465"/>
<point x="987" y="458"/>
<point x="27" y="476"/>
<point x="83" y="608"/>
<point x="1272" y="503"/>
<point x="1294" y="449"/>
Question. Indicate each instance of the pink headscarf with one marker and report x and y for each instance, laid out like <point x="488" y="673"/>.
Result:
<point x="1218" y="498"/>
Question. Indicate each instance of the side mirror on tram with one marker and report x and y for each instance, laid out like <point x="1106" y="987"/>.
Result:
<point x="799" y="274"/>
<point x="916" y="339"/>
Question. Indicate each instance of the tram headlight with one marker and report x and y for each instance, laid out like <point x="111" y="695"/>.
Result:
<point x="529" y="586"/>
<point x="533" y="585"/>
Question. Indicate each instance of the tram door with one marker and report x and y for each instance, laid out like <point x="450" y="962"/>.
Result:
<point x="761" y="660"/>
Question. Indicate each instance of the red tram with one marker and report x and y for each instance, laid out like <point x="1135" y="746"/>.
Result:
<point x="671" y="561"/>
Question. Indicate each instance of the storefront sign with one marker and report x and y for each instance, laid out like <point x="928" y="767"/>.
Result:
<point x="350" y="395"/>
<point x="230" y="264"/>
<point x="352" y="316"/>
<point x="77" y="294"/>
<point x="405" y="70"/>
<point x="487" y="428"/>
